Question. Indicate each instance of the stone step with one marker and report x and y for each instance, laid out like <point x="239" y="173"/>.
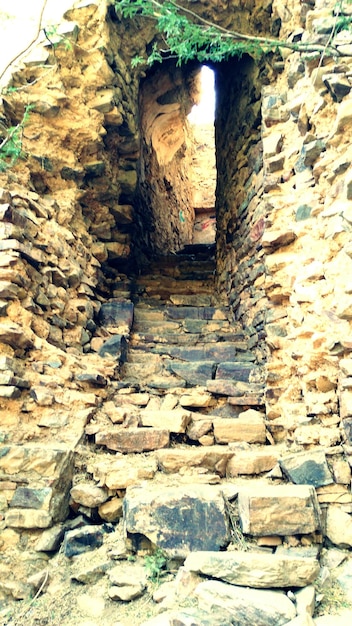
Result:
<point x="217" y="351"/>
<point x="196" y="312"/>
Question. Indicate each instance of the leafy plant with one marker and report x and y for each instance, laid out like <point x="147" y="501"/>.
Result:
<point x="154" y="564"/>
<point x="188" y="36"/>
<point x="11" y="146"/>
<point x="55" y="38"/>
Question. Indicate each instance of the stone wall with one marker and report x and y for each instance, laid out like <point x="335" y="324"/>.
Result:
<point x="69" y="227"/>
<point x="240" y="212"/>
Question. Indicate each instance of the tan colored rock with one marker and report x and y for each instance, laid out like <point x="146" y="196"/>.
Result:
<point x="254" y="569"/>
<point x="196" y="399"/>
<point x="249" y="426"/>
<point x="213" y="458"/>
<point x="341" y="471"/>
<point x="334" y="493"/>
<point x="278" y="510"/>
<point x="338" y="526"/>
<point x="252" y="462"/>
<point x="88" y="495"/>
<point x="133" y="439"/>
<point x="111" y="510"/>
<point x="119" y="473"/>
<point x="176" y="421"/>
<point x="137" y="399"/>
<point x="28" y="518"/>
<point x="197" y="429"/>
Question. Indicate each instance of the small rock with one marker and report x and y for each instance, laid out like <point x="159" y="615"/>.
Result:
<point x="88" y="495"/>
<point x="82" y="540"/>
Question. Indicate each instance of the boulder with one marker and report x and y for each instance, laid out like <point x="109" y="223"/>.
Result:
<point x="247" y="606"/>
<point x="254" y="569"/>
<point x="177" y="519"/>
<point x="278" y="510"/>
<point x="307" y="468"/>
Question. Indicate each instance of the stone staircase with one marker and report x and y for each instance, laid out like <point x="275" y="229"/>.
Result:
<point x="182" y="336"/>
<point x="190" y="392"/>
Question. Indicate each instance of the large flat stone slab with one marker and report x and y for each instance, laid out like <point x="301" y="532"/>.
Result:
<point x="121" y="472"/>
<point x="133" y="439"/>
<point x="307" y="468"/>
<point x="196" y="373"/>
<point x="254" y="569"/>
<point x="249" y="427"/>
<point x="213" y="458"/>
<point x="249" y="462"/>
<point x="278" y="510"/>
<point x="178" y="520"/>
<point x="218" y="352"/>
<point x="175" y="420"/>
<point x="249" y="607"/>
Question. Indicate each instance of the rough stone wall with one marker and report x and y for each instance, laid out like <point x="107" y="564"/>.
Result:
<point x="306" y="134"/>
<point x="284" y="225"/>
<point x="165" y="203"/>
<point x="240" y="215"/>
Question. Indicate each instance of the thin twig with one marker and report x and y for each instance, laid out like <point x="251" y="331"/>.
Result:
<point x="20" y="54"/>
<point x="24" y="613"/>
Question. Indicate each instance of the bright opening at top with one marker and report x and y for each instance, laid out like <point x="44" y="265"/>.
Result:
<point x="204" y="112"/>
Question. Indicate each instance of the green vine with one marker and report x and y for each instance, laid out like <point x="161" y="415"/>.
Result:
<point x="188" y="36"/>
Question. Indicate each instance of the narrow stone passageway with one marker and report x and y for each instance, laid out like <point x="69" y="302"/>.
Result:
<point x="175" y="367"/>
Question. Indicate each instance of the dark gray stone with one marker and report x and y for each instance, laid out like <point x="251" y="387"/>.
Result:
<point x="28" y="498"/>
<point x="347" y="428"/>
<point x="217" y="352"/>
<point x="338" y="86"/>
<point x="82" y="540"/>
<point x="195" y="373"/>
<point x="303" y="212"/>
<point x="92" y="379"/>
<point x="234" y="371"/>
<point x="177" y="519"/>
<point x="115" y="313"/>
<point x="115" y="346"/>
<point x="307" y="468"/>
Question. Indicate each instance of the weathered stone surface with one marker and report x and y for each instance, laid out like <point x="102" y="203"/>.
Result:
<point x="196" y="399"/>
<point x="254" y="569"/>
<point x="115" y="314"/>
<point x="116" y="346"/>
<point x="88" y="495"/>
<point x="196" y="373"/>
<point x="111" y="511"/>
<point x="174" y="518"/>
<point x="89" y="571"/>
<point x="175" y="421"/>
<point x="339" y="527"/>
<point x="307" y="468"/>
<point x="249" y="426"/>
<point x="82" y="540"/>
<point x="133" y="439"/>
<point x="260" y="607"/>
<point x="119" y="473"/>
<point x="213" y="458"/>
<point x="28" y="518"/>
<point x="234" y="371"/>
<point x="50" y="539"/>
<point x="252" y="462"/>
<point x="279" y="510"/>
<point x="52" y="471"/>
<point x="191" y="617"/>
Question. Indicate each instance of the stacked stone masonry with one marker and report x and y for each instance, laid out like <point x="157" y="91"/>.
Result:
<point x="189" y="395"/>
